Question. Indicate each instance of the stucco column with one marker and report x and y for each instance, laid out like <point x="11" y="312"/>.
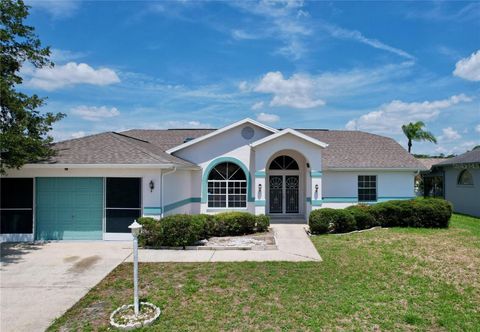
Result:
<point x="316" y="189"/>
<point x="258" y="191"/>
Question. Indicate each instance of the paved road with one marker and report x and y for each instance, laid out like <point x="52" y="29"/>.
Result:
<point x="40" y="282"/>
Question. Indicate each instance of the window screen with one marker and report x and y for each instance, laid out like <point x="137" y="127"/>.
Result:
<point x="367" y="188"/>
<point x="16" y="206"/>
<point x="123" y="203"/>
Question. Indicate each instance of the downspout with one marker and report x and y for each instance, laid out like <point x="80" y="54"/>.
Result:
<point x="161" y="189"/>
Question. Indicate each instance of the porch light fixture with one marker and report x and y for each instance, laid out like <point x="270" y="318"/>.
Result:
<point x="316" y="189"/>
<point x="152" y="185"/>
<point x="260" y="188"/>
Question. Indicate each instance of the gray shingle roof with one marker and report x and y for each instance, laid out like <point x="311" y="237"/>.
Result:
<point x="466" y="158"/>
<point x="346" y="149"/>
<point x="111" y="148"/>
<point x="429" y="162"/>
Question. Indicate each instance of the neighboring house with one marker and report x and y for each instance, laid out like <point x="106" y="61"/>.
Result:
<point x="97" y="185"/>
<point x="430" y="181"/>
<point x="461" y="179"/>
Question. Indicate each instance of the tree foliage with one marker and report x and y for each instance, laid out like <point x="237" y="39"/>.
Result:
<point x="415" y="132"/>
<point x="24" y="129"/>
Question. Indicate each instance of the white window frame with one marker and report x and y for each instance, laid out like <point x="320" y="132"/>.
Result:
<point x="227" y="194"/>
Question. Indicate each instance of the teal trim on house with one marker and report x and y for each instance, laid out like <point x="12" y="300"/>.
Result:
<point x="317" y="202"/>
<point x="316" y="174"/>
<point x="308" y="199"/>
<point x="183" y="202"/>
<point x="340" y="199"/>
<point x="260" y="174"/>
<point x="152" y="211"/>
<point x="389" y="198"/>
<point x="260" y="202"/>
<point x="220" y="160"/>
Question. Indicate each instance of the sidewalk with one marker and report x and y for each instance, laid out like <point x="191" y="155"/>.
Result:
<point x="293" y="243"/>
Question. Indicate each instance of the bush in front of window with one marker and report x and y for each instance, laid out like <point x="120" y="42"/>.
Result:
<point x="234" y="223"/>
<point x="427" y="213"/>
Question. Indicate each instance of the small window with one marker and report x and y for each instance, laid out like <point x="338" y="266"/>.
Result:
<point x="284" y="163"/>
<point x="227" y="186"/>
<point x="465" y="178"/>
<point x="367" y="188"/>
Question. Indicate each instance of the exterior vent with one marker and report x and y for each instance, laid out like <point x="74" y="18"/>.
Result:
<point x="188" y="139"/>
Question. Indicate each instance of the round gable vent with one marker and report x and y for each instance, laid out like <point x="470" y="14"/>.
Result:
<point x="248" y="132"/>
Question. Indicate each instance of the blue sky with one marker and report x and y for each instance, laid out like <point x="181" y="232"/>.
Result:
<point x="369" y="66"/>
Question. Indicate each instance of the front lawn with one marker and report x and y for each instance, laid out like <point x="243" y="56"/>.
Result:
<point x="387" y="279"/>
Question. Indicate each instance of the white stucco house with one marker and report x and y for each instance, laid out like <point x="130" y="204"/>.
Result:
<point x="96" y="185"/>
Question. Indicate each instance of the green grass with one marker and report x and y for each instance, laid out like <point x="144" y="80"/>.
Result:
<point x="388" y="279"/>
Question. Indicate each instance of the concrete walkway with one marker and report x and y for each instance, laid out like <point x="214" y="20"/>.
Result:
<point x="293" y="243"/>
<point x="39" y="282"/>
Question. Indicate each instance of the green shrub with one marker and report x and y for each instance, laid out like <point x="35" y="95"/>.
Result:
<point x="181" y="230"/>
<point x="428" y="213"/>
<point x="262" y="222"/>
<point x="234" y="223"/>
<point x="363" y="218"/>
<point x="338" y="220"/>
<point x="151" y="232"/>
<point x="319" y="222"/>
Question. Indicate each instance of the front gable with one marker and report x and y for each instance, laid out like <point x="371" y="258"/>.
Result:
<point x="233" y="140"/>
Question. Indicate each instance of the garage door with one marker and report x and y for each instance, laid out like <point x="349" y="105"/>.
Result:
<point x="69" y="208"/>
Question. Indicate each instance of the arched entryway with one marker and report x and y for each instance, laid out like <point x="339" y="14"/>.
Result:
<point x="285" y="184"/>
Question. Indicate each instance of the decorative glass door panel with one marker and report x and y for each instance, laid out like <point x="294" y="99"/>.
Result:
<point x="291" y="193"/>
<point x="276" y="194"/>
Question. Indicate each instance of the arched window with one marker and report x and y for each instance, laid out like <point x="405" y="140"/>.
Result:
<point x="465" y="178"/>
<point x="284" y="162"/>
<point x="227" y="186"/>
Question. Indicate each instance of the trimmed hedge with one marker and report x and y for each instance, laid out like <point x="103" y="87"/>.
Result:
<point x="426" y="213"/>
<point x="182" y="230"/>
<point x="323" y="220"/>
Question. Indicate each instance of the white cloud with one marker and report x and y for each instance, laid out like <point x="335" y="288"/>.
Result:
<point x="457" y="148"/>
<point x="342" y="33"/>
<point x="267" y="117"/>
<point x="179" y="124"/>
<point x="389" y="118"/>
<point x="243" y="35"/>
<point x="78" y="134"/>
<point x="56" y="8"/>
<point x="258" y="105"/>
<point x="477" y="128"/>
<point x="58" y="55"/>
<point x="298" y="91"/>
<point x="469" y="68"/>
<point x="67" y="75"/>
<point x="450" y="134"/>
<point x="94" y="113"/>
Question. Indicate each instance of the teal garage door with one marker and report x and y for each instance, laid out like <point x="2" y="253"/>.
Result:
<point x="69" y="208"/>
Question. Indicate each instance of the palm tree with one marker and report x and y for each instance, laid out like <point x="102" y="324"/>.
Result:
<point x="415" y="132"/>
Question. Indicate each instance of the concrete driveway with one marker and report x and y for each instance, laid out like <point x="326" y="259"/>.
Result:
<point x="39" y="282"/>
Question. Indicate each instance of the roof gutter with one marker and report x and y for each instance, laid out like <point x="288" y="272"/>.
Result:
<point x="137" y="166"/>
<point x="161" y="189"/>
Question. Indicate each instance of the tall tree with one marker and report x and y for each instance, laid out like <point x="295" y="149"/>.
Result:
<point x="415" y="132"/>
<point x="24" y="130"/>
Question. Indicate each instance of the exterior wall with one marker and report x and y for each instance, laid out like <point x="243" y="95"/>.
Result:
<point x="178" y="194"/>
<point x="465" y="199"/>
<point x="340" y="188"/>
<point x="151" y="202"/>
<point x="229" y="144"/>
